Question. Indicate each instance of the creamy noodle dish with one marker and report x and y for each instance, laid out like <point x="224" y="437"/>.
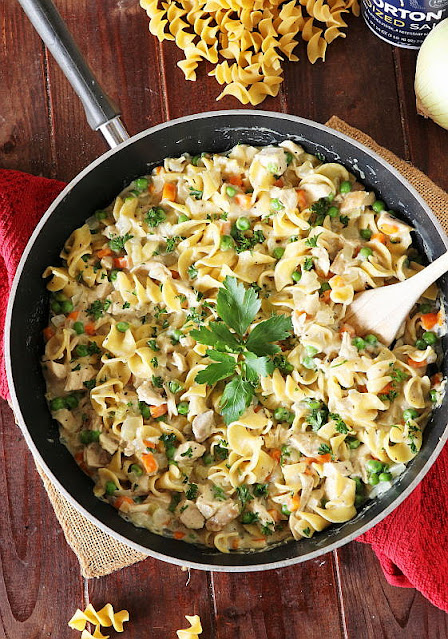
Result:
<point x="199" y="363"/>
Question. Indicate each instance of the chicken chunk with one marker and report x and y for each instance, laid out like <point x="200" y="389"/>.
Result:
<point x="189" y="451"/>
<point x="191" y="517"/>
<point x="202" y="425"/>
<point x="147" y="394"/>
<point x="223" y="516"/>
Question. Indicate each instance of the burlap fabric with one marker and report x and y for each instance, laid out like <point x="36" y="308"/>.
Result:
<point x="100" y="554"/>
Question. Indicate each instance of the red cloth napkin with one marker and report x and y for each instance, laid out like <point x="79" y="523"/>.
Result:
<point x="411" y="543"/>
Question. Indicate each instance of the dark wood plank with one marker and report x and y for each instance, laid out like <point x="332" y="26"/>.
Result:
<point x="24" y="125"/>
<point x="426" y="140"/>
<point x="158" y="596"/>
<point x="114" y="38"/>
<point x="40" y="579"/>
<point x="375" y="609"/>
<point x="299" y="601"/>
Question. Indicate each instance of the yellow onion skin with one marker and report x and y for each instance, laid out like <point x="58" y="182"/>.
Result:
<point x="431" y="76"/>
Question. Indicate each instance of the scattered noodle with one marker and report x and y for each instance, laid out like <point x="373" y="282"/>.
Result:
<point x="256" y="36"/>
<point x="194" y="630"/>
<point x="104" y="617"/>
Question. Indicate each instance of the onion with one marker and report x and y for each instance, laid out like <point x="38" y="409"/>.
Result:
<point x="431" y="76"/>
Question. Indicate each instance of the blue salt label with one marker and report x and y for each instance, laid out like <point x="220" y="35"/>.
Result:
<point x="404" y="23"/>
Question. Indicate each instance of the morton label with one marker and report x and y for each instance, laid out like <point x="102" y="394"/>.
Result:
<point x="404" y="23"/>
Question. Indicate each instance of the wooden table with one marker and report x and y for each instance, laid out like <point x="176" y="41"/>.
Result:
<point x="43" y="131"/>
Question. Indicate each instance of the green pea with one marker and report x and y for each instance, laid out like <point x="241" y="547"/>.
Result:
<point x="122" y="326"/>
<point x="208" y="459"/>
<point x="141" y="184"/>
<point x="352" y="443"/>
<point x="144" y="410"/>
<point x="182" y="218"/>
<point x="58" y="403"/>
<point x="410" y="413"/>
<point x="385" y="477"/>
<point x="177" y="334"/>
<point x="430" y="337"/>
<point x="81" y="350"/>
<point x="370" y="339"/>
<point x="374" y="479"/>
<point x="89" y="436"/>
<point x="183" y="408"/>
<point x="421" y="344"/>
<point x="231" y="191"/>
<point x="110" y="488"/>
<point x="60" y="297"/>
<point x="285" y="510"/>
<point x="330" y="197"/>
<point x="333" y="211"/>
<point x="311" y="350"/>
<point x="374" y="466"/>
<point x="366" y="234"/>
<point x="310" y="363"/>
<point x="314" y="404"/>
<point x="378" y="206"/>
<point x="55" y="306"/>
<point x="365" y="252"/>
<point x="100" y="215"/>
<point x="281" y="414"/>
<point x="243" y="224"/>
<point x="425" y="308"/>
<point x="175" y="386"/>
<point x="78" y="327"/>
<point x="433" y="396"/>
<point x="113" y="274"/>
<point x="278" y="252"/>
<point x="290" y="417"/>
<point x="359" y="343"/>
<point x="67" y="307"/>
<point x="71" y="401"/>
<point x="345" y="187"/>
<point x="296" y="276"/>
<point x="136" y="469"/>
<point x="226" y="243"/>
<point x="195" y="159"/>
<point x="276" y="205"/>
<point x="289" y="158"/>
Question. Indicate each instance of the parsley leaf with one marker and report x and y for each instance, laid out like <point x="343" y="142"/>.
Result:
<point x="215" y="372"/>
<point x="236" y="305"/>
<point x="308" y="264"/>
<point x="116" y="244"/>
<point x="324" y="449"/>
<point x="98" y="308"/>
<point x="274" y="329"/>
<point x="237" y="396"/>
<point x="243" y="495"/>
<point x="155" y="216"/>
<point x="312" y="241"/>
<point x="255" y="367"/>
<point x="218" y="336"/>
<point x="317" y="417"/>
<point x="341" y="426"/>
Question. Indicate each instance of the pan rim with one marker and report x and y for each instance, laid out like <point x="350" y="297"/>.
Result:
<point x="15" y="402"/>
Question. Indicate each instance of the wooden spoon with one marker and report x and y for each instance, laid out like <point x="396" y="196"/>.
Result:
<point x="382" y="310"/>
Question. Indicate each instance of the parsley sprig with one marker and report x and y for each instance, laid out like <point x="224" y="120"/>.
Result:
<point x="243" y="359"/>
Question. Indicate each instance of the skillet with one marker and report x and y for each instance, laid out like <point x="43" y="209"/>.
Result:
<point x="93" y="189"/>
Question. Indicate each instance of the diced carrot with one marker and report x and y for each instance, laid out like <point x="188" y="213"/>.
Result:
<point x="236" y="180"/>
<point x="258" y="408"/>
<point x="379" y="237"/>
<point x="48" y="333"/>
<point x="152" y="188"/>
<point x="280" y="183"/>
<point x="150" y="463"/>
<point x="244" y="200"/>
<point x="104" y="252"/>
<point x="325" y="297"/>
<point x="73" y="315"/>
<point x="274" y="514"/>
<point x="259" y="539"/>
<point x="436" y="379"/>
<point x="226" y="227"/>
<point x="275" y="454"/>
<point x="120" y="262"/>
<point x="178" y="534"/>
<point x="308" y="471"/>
<point x="347" y="328"/>
<point x="89" y="329"/>
<point x="149" y="444"/>
<point x="389" y="229"/>
<point x="293" y="503"/>
<point x="158" y="411"/>
<point x="174" y="274"/>
<point x="119" y="501"/>
<point x="387" y="389"/>
<point x="79" y="457"/>
<point x="323" y="459"/>
<point x="169" y="192"/>
<point x="429" y="320"/>
<point x="235" y="544"/>
<point x="302" y="203"/>
<point x="414" y="364"/>
<point x="158" y="169"/>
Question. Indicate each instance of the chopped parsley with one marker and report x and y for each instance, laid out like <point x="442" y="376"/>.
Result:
<point x="312" y="241"/>
<point x="171" y="243"/>
<point x="169" y="440"/>
<point x="243" y="495"/>
<point x="187" y="453"/>
<point x="196" y="193"/>
<point x="192" y="272"/>
<point x="98" y="308"/>
<point x="89" y="384"/>
<point x="157" y="382"/>
<point x="341" y="426"/>
<point x="155" y="216"/>
<point x="175" y="499"/>
<point x="218" y="493"/>
<point x="192" y="492"/>
<point x="324" y="449"/>
<point x="116" y="244"/>
<point x="308" y="264"/>
<point x="317" y="417"/>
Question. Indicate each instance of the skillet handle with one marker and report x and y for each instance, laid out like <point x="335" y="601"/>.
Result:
<point x="101" y="112"/>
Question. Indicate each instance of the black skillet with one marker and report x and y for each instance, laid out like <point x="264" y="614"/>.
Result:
<point x="94" y="188"/>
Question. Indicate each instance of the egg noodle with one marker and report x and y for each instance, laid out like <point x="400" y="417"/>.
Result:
<point x="197" y="358"/>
